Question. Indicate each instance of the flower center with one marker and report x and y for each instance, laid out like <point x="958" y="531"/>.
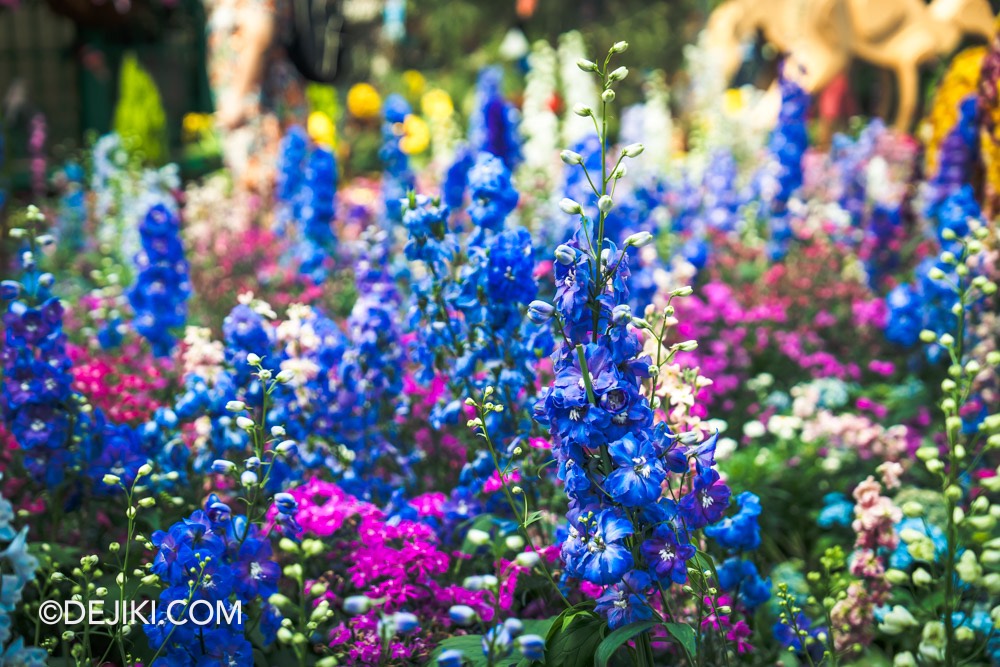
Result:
<point x="596" y="545"/>
<point x="666" y="553"/>
<point x="640" y="466"/>
<point x="707" y="500"/>
<point x="256" y="570"/>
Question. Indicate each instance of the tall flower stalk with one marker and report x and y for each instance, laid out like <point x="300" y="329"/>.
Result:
<point x="639" y="494"/>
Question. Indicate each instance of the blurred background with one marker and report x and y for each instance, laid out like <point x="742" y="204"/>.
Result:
<point x="71" y="70"/>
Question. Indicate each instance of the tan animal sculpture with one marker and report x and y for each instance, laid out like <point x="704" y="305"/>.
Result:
<point x="820" y="37"/>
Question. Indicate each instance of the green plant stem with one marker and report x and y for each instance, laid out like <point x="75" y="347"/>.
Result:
<point x="950" y="659"/>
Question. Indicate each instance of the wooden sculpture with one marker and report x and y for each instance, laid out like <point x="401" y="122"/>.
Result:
<point x="820" y="37"/>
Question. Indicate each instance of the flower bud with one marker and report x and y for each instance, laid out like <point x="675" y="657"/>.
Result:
<point x="604" y="204"/>
<point x="461" y="614"/>
<point x="618" y="74"/>
<point x="478" y="537"/>
<point x="285" y="376"/>
<point x="540" y="312"/>
<point x="586" y="65"/>
<point x="244" y="423"/>
<point x="514" y="542"/>
<point x="253" y="359"/>
<point x="619" y="47"/>
<point x="571" y="157"/>
<point x="583" y="110"/>
<point x="111" y="480"/>
<point x="564" y="254"/>
<point x="532" y="647"/>
<point x="608" y="96"/>
<point x="248" y="478"/>
<point x="639" y="239"/>
<point x="527" y="559"/>
<point x="633" y="150"/>
<point x="357" y="604"/>
<point x="405" y="622"/>
<point x="569" y="206"/>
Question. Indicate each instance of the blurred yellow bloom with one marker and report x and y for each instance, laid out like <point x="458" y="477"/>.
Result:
<point x="196" y="123"/>
<point x="363" y="101"/>
<point x="436" y="104"/>
<point x="959" y="82"/>
<point x="414" y="82"/>
<point x="732" y="101"/>
<point x="321" y="129"/>
<point x="416" y="135"/>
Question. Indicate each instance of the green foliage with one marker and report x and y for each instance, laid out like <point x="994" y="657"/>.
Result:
<point x="616" y="639"/>
<point x="139" y="115"/>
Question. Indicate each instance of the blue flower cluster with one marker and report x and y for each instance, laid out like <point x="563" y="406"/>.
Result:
<point x="306" y="188"/>
<point x="468" y="310"/>
<point x="956" y="157"/>
<point x="469" y="306"/>
<point x="72" y="207"/>
<point x="216" y="558"/>
<point x="787" y="145"/>
<point x="162" y="287"/>
<point x="740" y="534"/>
<point x="493" y="127"/>
<point x="18" y="567"/>
<point x="924" y="304"/>
<point x="397" y="176"/>
<point x="623" y="531"/>
<point x="39" y="405"/>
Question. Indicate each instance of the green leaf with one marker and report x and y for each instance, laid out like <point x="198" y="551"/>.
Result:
<point x="534" y="517"/>
<point x="615" y="640"/>
<point x="471" y="647"/>
<point x="685" y="635"/>
<point x="536" y="627"/>
<point x="573" y="637"/>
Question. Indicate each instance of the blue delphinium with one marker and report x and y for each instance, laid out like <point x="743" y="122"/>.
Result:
<point x="469" y="311"/>
<point x="790" y="637"/>
<point x="72" y="207"/>
<point x="738" y="574"/>
<point x="787" y="146"/>
<point x="624" y="532"/>
<point x="740" y="532"/>
<point x="956" y="157"/>
<point x="18" y="567"/>
<point x="216" y="557"/>
<point x="162" y="287"/>
<point x="39" y="405"/>
<point x="305" y="192"/>
<point x="397" y="176"/>
<point x="491" y="191"/>
<point x="494" y="121"/>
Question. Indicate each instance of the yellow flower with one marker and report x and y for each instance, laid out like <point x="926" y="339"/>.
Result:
<point x="321" y="129"/>
<point x="732" y="101"/>
<point x="414" y="82"/>
<point x="436" y="104"/>
<point x="363" y="101"/>
<point x="959" y="82"/>
<point x="196" y="123"/>
<point x="416" y="135"/>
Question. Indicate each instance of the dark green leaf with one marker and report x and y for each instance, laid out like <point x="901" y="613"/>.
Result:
<point x="615" y="640"/>
<point x="685" y="635"/>
<point x="573" y="637"/>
